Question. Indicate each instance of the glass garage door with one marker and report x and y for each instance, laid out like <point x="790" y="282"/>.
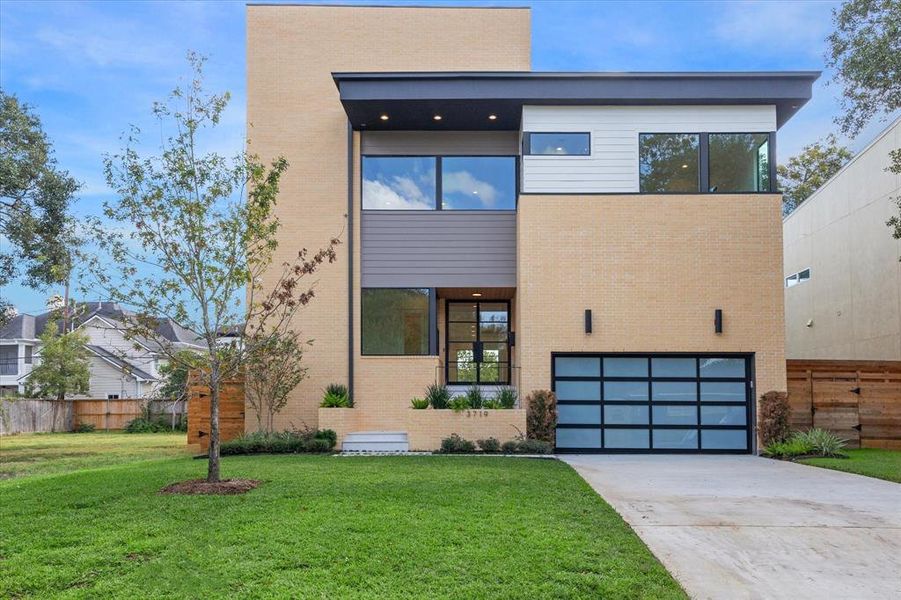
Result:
<point x="653" y="403"/>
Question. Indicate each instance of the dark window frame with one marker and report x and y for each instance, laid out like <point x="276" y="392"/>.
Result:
<point x="701" y="173"/>
<point x="432" y="324"/>
<point x="771" y="158"/>
<point x="527" y="143"/>
<point x="478" y="322"/>
<point x="439" y="191"/>
<point x="704" y="162"/>
<point x="749" y="403"/>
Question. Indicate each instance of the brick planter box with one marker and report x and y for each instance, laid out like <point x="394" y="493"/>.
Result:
<point x="428" y="427"/>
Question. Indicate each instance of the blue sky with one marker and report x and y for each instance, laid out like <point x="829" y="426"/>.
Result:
<point x="92" y="68"/>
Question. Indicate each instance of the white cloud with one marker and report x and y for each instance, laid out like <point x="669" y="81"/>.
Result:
<point x="463" y="182"/>
<point x="401" y="194"/>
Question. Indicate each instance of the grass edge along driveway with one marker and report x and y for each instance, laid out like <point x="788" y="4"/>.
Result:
<point x="324" y="527"/>
<point x="871" y="462"/>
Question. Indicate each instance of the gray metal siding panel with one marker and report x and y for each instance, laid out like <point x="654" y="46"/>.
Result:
<point x="427" y="143"/>
<point x="438" y="249"/>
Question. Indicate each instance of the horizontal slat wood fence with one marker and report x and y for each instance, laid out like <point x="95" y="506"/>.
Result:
<point x="231" y="411"/>
<point x="858" y="400"/>
<point x="41" y="416"/>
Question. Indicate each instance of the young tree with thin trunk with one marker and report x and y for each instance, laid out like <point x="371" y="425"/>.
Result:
<point x="195" y="234"/>
<point x="62" y="367"/>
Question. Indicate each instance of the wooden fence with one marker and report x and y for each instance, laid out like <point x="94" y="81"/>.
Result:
<point x="34" y="416"/>
<point x="858" y="400"/>
<point x="231" y="411"/>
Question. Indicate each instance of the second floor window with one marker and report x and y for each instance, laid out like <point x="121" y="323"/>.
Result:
<point x="688" y="163"/>
<point x="668" y="162"/>
<point x="439" y="183"/>
<point x="739" y="162"/>
<point x="399" y="182"/>
<point x="557" y="144"/>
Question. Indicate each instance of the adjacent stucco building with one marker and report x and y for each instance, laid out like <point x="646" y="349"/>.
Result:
<point x="842" y="272"/>
<point x="615" y="237"/>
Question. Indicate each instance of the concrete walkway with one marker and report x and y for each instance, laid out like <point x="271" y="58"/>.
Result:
<point x="747" y="527"/>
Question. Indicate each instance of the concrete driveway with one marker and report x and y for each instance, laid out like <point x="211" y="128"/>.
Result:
<point x="748" y="527"/>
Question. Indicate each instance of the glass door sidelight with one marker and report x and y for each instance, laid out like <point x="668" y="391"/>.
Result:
<point x="477" y="342"/>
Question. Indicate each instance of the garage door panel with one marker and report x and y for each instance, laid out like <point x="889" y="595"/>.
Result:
<point x="579" y="438"/>
<point x="589" y="414"/>
<point x="653" y="403"/>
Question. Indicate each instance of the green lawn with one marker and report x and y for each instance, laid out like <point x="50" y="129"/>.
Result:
<point x="872" y="462"/>
<point x="41" y="453"/>
<point x="323" y="527"/>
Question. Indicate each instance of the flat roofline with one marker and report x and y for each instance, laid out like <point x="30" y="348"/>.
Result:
<point x="339" y="76"/>
<point x="410" y="99"/>
<point x="430" y="6"/>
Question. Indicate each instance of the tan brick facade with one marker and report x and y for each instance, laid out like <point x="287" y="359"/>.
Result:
<point x="293" y="110"/>
<point x="652" y="269"/>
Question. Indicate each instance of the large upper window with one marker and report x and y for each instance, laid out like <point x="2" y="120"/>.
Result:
<point x="395" y="321"/>
<point x="739" y="162"/>
<point x="399" y="183"/>
<point x="461" y="182"/>
<point x="668" y="162"/>
<point x="558" y="144"/>
<point x="478" y="183"/>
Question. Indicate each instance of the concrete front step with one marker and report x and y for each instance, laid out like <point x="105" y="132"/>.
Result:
<point x="376" y="441"/>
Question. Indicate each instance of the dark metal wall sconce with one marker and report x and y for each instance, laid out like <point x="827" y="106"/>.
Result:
<point x="718" y="320"/>
<point x="587" y="320"/>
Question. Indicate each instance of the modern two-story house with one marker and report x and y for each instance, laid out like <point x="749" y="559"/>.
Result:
<point x="615" y="237"/>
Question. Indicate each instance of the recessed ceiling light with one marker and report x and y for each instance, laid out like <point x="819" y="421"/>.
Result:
<point x="492" y="117"/>
<point x="683" y="166"/>
<point x="476" y="295"/>
<point x="437" y="117"/>
<point x="559" y="149"/>
<point x="475" y="191"/>
<point x="384" y="117"/>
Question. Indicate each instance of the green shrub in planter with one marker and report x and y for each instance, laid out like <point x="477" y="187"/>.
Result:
<point x="458" y="403"/>
<point x="506" y="396"/>
<point x="284" y="442"/>
<point x="332" y="400"/>
<point x="489" y="446"/>
<point x="492" y="404"/>
<point x="456" y="445"/>
<point x="84" y="428"/>
<point x="526" y="447"/>
<point x="419" y="403"/>
<point x="474" y="396"/>
<point x="336" y="396"/>
<point x="438" y="396"/>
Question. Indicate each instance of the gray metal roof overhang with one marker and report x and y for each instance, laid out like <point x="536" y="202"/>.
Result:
<point x="466" y="99"/>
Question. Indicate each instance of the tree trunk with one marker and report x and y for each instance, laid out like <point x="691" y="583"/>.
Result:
<point x="212" y="475"/>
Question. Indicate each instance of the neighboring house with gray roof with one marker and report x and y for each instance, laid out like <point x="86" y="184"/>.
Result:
<point x="120" y="368"/>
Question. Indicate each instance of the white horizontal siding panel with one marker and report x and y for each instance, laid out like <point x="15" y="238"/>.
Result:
<point x="613" y="164"/>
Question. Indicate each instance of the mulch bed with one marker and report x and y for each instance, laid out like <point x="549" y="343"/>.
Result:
<point x="202" y="486"/>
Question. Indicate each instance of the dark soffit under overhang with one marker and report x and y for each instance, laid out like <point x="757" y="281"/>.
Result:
<point x="465" y="99"/>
